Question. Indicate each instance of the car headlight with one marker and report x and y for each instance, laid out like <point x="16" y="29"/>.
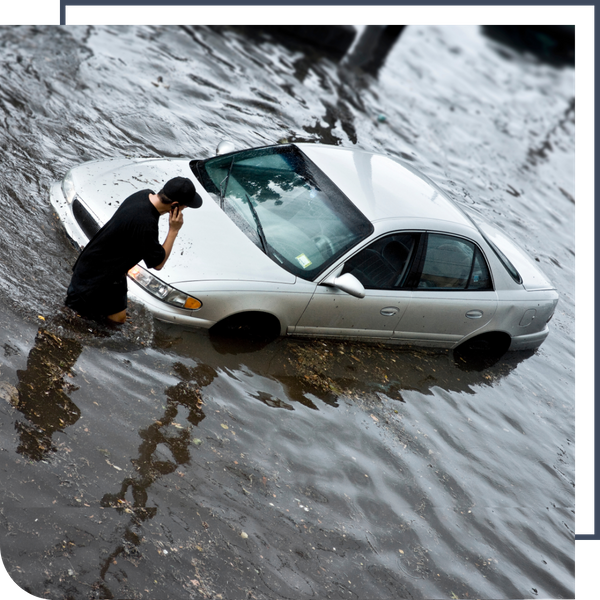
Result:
<point x="161" y="290"/>
<point x="68" y="187"/>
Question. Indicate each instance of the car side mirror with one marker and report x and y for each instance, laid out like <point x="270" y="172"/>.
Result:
<point x="224" y="147"/>
<point x="347" y="283"/>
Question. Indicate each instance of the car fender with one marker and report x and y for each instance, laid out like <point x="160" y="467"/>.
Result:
<point x="283" y="301"/>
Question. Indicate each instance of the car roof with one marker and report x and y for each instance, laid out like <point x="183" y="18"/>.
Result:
<point x="381" y="187"/>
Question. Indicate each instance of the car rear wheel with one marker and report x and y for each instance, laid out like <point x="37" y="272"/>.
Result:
<point x="482" y="351"/>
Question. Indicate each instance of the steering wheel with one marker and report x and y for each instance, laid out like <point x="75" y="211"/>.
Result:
<point x="324" y="245"/>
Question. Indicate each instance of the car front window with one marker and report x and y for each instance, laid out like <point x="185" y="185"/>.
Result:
<point x="383" y="265"/>
<point x="286" y="206"/>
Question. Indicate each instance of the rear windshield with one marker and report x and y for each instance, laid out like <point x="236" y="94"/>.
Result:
<point x="483" y="229"/>
<point x="512" y="270"/>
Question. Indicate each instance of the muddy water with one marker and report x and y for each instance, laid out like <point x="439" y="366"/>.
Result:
<point x="157" y="462"/>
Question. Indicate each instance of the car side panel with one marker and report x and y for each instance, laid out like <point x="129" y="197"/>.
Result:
<point x="443" y="318"/>
<point x="524" y="314"/>
<point x="332" y="312"/>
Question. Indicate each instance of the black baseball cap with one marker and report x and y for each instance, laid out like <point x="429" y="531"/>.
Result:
<point x="182" y="190"/>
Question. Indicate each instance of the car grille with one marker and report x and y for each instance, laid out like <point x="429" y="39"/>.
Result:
<point x="85" y="220"/>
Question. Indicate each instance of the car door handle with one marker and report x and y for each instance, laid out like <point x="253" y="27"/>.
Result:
<point x="474" y="314"/>
<point x="389" y="311"/>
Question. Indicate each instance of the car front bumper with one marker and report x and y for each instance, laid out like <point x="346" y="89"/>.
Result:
<point x="64" y="211"/>
<point x="164" y="312"/>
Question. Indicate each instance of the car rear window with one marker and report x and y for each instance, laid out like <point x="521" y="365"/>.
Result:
<point x="453" y="263"/>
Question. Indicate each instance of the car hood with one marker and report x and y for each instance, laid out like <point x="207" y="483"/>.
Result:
<point x="209" y="247"/>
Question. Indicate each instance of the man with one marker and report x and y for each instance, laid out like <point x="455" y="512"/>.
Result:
<point x="98" y="288"/>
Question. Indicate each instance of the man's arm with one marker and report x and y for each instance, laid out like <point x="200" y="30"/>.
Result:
<point x="175" y="224"/>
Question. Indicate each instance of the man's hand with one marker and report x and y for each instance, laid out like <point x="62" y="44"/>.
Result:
<point x="175" y="224"/>
<point x="176" y="219"/>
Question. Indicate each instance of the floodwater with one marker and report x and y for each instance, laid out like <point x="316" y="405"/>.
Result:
<point x="161" y="463"/>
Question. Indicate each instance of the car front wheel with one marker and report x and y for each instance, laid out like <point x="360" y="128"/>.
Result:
<point x="249" y="325"/>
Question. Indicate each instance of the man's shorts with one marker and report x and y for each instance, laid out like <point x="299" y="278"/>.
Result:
<point x="99" y="301"/>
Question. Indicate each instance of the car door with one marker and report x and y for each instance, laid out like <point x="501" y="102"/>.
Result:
<point x="453" y="295"/>
<point x="381" y="268"/>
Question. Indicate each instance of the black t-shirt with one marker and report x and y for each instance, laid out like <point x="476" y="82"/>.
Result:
<point x="131" y="235"/>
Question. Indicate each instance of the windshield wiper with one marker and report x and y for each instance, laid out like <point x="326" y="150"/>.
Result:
<point x="223" y="190"/>
<point x="259" y="228"/>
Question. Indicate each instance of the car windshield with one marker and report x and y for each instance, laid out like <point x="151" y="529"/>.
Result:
<point x="286" y="205"/>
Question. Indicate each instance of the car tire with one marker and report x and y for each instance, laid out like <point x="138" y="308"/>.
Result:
<point x="255" y="325"/>
<point x="482" y="351"/>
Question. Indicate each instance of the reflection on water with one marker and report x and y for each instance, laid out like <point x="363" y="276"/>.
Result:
<point x="328" y="368"/>
<point x="354" y="380"/>
<point x="167" y="432"/>
<point x="311" y="478"/>
<point x="164" y="448"/>
<point x="43" y="394"/>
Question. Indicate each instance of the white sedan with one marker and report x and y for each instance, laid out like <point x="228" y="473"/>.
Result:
<point x="322" y="241"/>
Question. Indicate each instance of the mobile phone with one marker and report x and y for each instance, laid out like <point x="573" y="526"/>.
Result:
<point x="174" y="206"/>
